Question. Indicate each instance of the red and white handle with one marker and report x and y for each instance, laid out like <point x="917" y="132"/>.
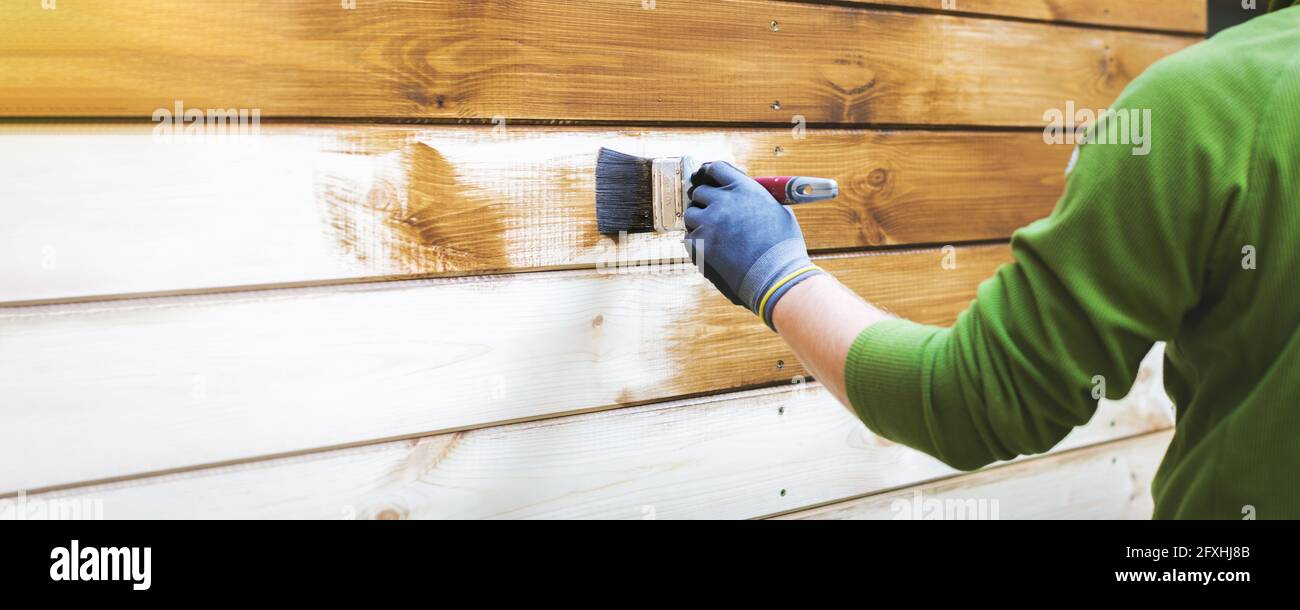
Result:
<point x="792" y="190"/>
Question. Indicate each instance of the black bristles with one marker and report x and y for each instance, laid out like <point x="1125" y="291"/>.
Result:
<point x="624" y="193"/>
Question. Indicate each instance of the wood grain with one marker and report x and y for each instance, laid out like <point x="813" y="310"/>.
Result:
<point x="194" y="380"/>
<point x="1105" y="481"/>
<point x="735" y="456"/>
<point x="602" y="60"/>
<point x="310" y="205"/>
<point x="1172" y="15"/>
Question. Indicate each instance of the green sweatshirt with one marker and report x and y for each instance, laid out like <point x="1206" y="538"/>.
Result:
<point x="1196" y="243"/>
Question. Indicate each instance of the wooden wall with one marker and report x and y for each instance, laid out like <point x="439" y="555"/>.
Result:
<point x="391" y="300"/>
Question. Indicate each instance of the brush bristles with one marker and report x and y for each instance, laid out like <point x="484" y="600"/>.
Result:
<point x="624" y="193"/>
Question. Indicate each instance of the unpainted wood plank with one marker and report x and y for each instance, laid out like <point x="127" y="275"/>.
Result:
<point x="1172" y="15"/>
<point x="183" y="381"/>
<point x="98" y="210"/>
<point x="726" y="457"/>
<point x="1105" y="481"/>
<point x="603" y="60"/>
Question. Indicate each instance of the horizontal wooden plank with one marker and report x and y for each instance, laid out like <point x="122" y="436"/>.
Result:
<point x="1106" y="481"/>
<point x="601" y="60"/>
<point x="110" y="210"/>
<point x="735" y="456"/>
<point x="1172" y="15"/>
<point x="202" y="379"/>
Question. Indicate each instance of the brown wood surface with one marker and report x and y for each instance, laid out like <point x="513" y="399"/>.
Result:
<point x="332" y="398"/>
<point x="1174" y="15"/>
<point x="311" y="205"/>
<point x="603" y="60"/>
<point x="184" y="381"/>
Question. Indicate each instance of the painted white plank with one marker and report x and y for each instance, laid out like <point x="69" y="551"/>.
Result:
<point x="742" y="455"/>
<point x="1107" y="481"/>
<point x="102" y="390"/>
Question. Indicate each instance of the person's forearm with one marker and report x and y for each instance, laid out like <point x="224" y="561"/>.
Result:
<point x="820" y="318"/>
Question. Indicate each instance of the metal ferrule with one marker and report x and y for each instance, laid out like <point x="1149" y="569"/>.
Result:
<point x="670" y="186"/>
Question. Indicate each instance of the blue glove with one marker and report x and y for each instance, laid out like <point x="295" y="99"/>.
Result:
<point x="745" y="242"/>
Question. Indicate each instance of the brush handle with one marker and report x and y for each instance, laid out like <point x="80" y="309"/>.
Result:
<point x="794" y="190"/>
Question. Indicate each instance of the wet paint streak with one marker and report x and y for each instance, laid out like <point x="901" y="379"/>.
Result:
<point x="413" y="216"/>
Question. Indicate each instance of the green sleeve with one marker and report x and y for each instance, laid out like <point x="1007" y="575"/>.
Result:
<point x="1119" y="264"/>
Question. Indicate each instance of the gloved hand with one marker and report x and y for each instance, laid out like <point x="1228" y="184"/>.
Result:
<point x="745" y="242"/>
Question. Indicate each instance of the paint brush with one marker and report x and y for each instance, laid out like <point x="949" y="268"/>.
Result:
<point x="640" y="194"/>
